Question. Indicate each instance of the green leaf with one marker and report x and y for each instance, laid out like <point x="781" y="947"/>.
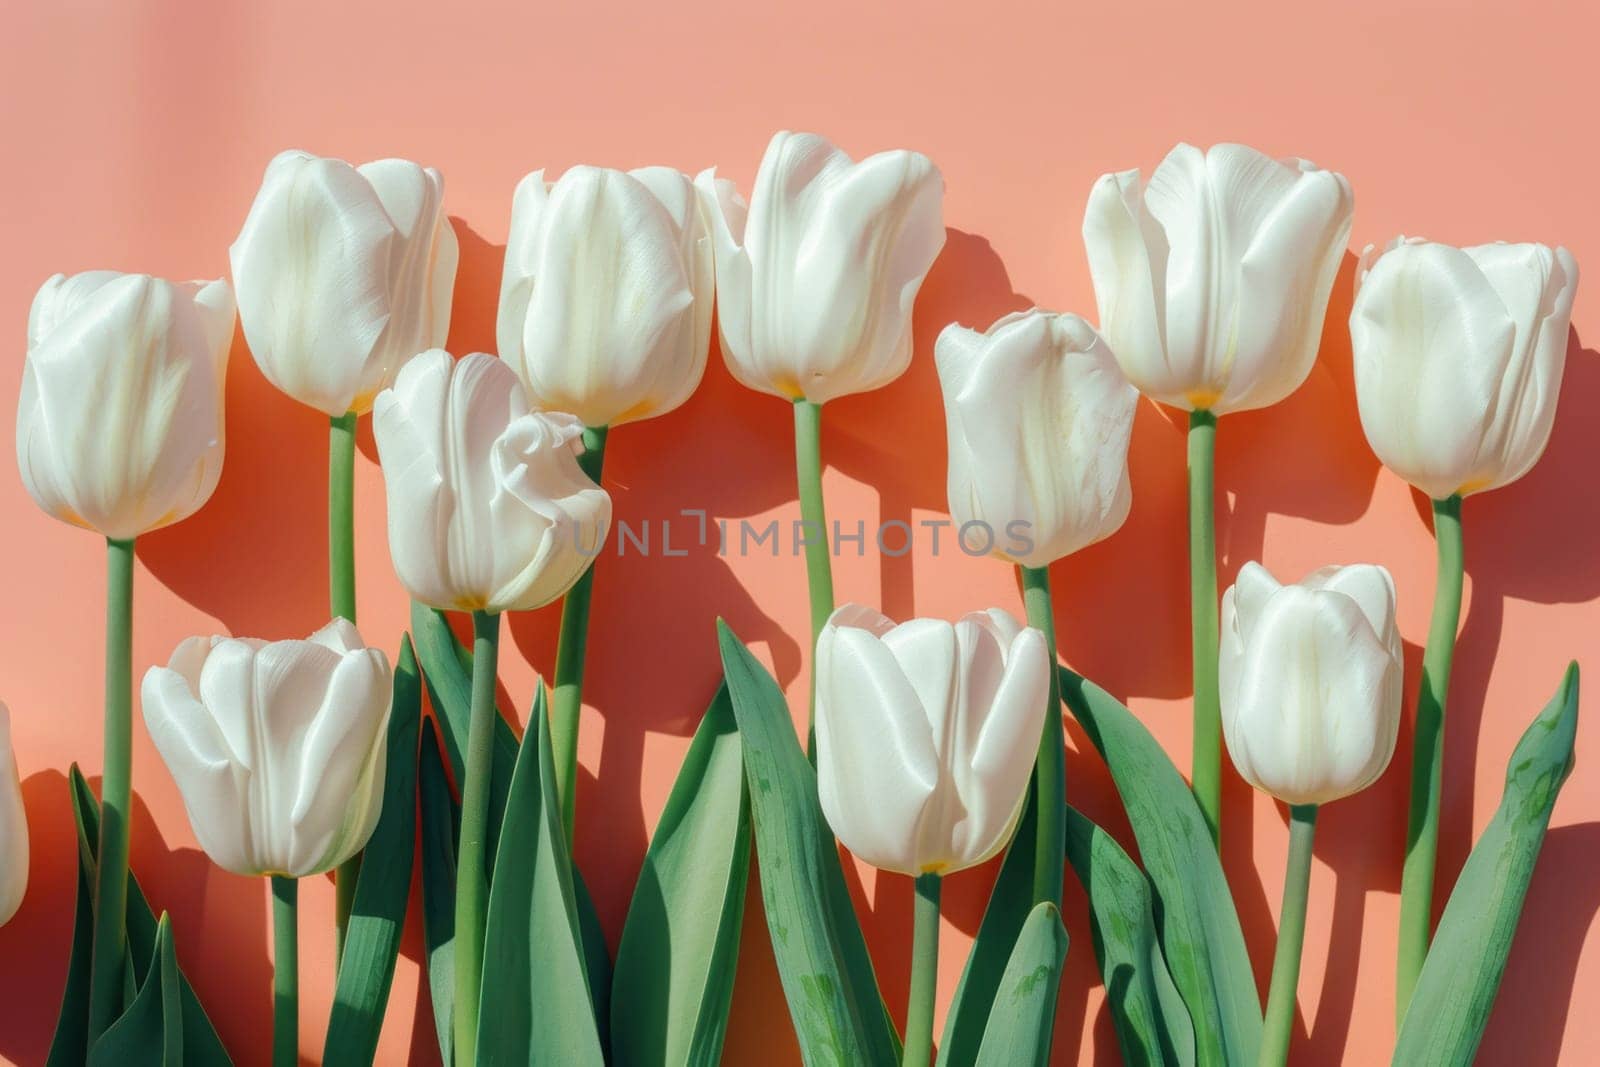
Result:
<point x="680" y="944"/>
<point x="536" y="1006"/>
<point x="151" y="1030"/>
<point x="202" y="1047"/>
<point x="441" y="826"/>
<point x="1024" y="1015"/>
<point x="378" y="913"/>
<point x="69" y="1046"/>
<point x="596" y="959"/>
<point x="446" y="668"/>
<point x="1200" y="932"/>
<point x="833" y="996"/>
<point x="1153" y="1027"/>
<point x="1461" y="976"/>
<point x="1010" y="902"/>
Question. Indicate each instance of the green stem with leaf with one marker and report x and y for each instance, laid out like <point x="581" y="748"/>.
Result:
<point x="472" y="870"/>
<point x="285" y="971"/>
<point x="1427" y="758"/>
<point x="566" y="702"/>
<point x="924" y="973"/>
<point x="107" y="960"/>
<point x="1206" y="766"/>
<point x="342" y="603"/>
<point x="1279" y="1024"/>
<point x="814" y="523"/>
<point x="1050" y="771"/>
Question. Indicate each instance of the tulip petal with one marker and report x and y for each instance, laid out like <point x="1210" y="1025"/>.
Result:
<point x="119" y="420"/>
<point x="1286" y="275"/>
<point x="341" y="765"/>
<point x="1311" y="706"/>
<point x="1127" y="262"/>
<point x="1431" y="342"/>
<point x="1014" y="705"/>
<point x="13" y="827"/>
<point x="610" y="307"/>
<point x="311" y="269"/>
<point x="1536" y="285"/>
<point x="420" y="272"/>
<point x="877" y="765"/>
<point x="726" y="211"/>
<point x="214" y="783"/>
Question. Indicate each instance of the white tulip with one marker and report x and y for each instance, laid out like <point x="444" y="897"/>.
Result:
<point x="13" y="827"/>
<point x="488" y="508"/>
<point x="926" y="734"/>
<point x="278" y="748"/>
<point x="1039" y="419"/>
<point x="120" y="418"/>
<point x="344" y="273"/>
<point x="605" y="303"/>
<point x="1310" y="676"/>
<point x="1458" y="358"/>
<point x="816" y="277"/>
<point x="1213" y="277"/>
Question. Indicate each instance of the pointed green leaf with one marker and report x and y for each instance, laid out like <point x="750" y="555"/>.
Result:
<point x="536" y="1005"/>
<point x="441" y="826"/>
<point x="1010" y="902"/>
<point x="1200" y="932"/>
<point x="1153" y="1027"/>
<point x="378" y="913"/>
<point x="70" y="1044"/>
<point x="596" y="959"/>
<point x="1461" y="976"/>
<point x="833" y="995"/>
<point x="680" y="944"/>
<point x="202" y="1047"/>
<point x="1024" y="1014"/>
<point x="150" y="1032"/>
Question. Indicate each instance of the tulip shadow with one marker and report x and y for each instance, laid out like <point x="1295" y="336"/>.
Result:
<point x="255" y="557"/>
<point x="206" y="904"/>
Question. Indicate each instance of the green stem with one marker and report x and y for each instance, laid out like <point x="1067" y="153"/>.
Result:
<point x="1427" y="758"/>
<point x="1206" y="766"/>
<point x="814" y="520"/>
<point x="566" y="703"/>
<point x="472" y="874"/>
<point x="342" y="602"/>
<point x="1050" y="772"/>
<point x="285" y="972"/>
<point x="116" y="794"/>
<point x="924" y="973"/>
<point x="1279" y="1023"/>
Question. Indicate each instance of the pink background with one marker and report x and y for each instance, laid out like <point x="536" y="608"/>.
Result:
<point x="137" y="133"/>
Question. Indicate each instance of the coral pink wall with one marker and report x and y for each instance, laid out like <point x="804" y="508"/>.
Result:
<point x="136" y="134"/>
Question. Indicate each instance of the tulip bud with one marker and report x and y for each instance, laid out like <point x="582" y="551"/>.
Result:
<point x="605" y="303"/>
<point x="1213" y="277"/>
<point x="1310" y="676"/>
<point x="816" y="278"/>
<point x="278" y="748"/>
<point x="119" y="422"/>
<point x="13" y="827"/>
<point x="1039" y="420"/>
<point x="1458" y="357"/>
<point x="926" y="734"/>
<point x="344" y="273"/>
<point x="488" y="508"/>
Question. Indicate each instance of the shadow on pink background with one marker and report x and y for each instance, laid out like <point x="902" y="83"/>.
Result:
<point x="138" y="136"/>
